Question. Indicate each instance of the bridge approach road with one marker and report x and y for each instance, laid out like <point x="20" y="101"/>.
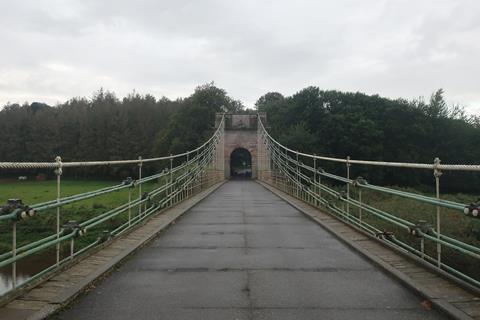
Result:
<point x="244" y="253"/>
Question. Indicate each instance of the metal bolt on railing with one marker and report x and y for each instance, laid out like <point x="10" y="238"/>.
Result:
<point x="421" y="228"/>
<point x="104" y="236"/>
<point x="385" y="235"/>
<point x="472" y="209"/>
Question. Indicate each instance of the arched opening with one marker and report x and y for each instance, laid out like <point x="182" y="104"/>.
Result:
<point x="240" y="163"/>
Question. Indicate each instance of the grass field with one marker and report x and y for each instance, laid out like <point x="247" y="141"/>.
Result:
<point x="34" y="192"/>
<point x="44" y="224"/>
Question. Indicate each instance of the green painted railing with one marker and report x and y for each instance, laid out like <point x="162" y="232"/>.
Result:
<point x="299" y="174"/>
<point x="196" y="170"/>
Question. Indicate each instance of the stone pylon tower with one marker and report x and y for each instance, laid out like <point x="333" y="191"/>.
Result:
<point x="241" y="133"/>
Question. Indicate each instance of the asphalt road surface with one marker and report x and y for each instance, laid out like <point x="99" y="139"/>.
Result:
<point x="244" y="253"/>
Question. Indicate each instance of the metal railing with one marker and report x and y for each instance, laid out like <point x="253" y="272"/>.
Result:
<point x="300" y="175"/>
<point x="196" y="170"/>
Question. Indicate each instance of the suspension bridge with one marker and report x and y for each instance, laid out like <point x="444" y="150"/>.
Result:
<point x="242" y="227"/>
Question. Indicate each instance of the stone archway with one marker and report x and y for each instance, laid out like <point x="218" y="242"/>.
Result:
<point x="240" y="163"/>
<point x="240" y="133"/>
<point x="245" y="140"/>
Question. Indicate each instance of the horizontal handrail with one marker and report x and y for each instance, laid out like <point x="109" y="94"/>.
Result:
<point x="430" y="166"/>
<point x="72" y="164"/>
<point x="198" y="169"/>
<point x="287" y="172"/>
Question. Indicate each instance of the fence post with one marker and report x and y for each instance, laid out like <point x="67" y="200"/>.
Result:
<point x="58" y="173"/>
<point x="129" y="206"/>
<point x="348" y="188"/>
<point x="437" y="173"/>
<point x="319" y="188"/>
<point x="222" y="157"/>
<point x="315" y="192"/>
<point x="273" y="168"/>
<point x="197" y="173"/>
<point x="192" y="182"/>
<point x="360" y="207"/>
<point x="140" y="165"/>
<point x="288" y="181"/>
<point x="72" y="247"/>
<point x="259" y="153"/>
<point x="171" y="181"/>
<point x="422" y="247"/>
<point x="298" y="176"/>
<point x="14" y="254"/>
<point x="187" y="186"/>
<point x="214" y="154"/>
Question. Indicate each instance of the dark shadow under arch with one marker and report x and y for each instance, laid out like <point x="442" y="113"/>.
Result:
<point x="240" y="163"/>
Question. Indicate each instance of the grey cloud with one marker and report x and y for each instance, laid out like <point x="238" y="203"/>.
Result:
<point x="54" y="50"/>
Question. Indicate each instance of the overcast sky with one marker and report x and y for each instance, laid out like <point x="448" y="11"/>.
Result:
<point x="54" y="50"/>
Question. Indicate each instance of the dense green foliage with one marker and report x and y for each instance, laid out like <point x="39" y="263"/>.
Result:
<point x="338" y="124"/>
<point x="106" y="128"/>
<point x="329" y="123"/>
<point x="101" y="128"/>
<point x="194" y="122"/>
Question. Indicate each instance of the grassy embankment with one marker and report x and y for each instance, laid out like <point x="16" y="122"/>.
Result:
<point x="453" y="223"/>
<point x="44" y="224"/>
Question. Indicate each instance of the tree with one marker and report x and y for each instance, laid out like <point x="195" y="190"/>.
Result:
<point x="193" y="123"/>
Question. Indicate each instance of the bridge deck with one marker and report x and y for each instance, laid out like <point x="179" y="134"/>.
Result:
<point x="243" y="253"/>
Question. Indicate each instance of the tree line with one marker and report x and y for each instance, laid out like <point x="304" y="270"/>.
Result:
<point x="107" y="128"/>
<point x="324" y="122"/>
<point x="370" y="127"/>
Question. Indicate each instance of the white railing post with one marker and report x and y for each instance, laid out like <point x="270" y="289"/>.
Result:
<point x="348" y="187"/>
<point x="58" y="173"/>
<point x="298" y="176"/>
<point x="315" y="189"/>
<point x="437" y="173"/>
<point x="129" y="206"/>
<point x="187" y="186"/>
<point x="14" y="254"/>
<point x="140" y="165"/>
<point x="171" y="181"/>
